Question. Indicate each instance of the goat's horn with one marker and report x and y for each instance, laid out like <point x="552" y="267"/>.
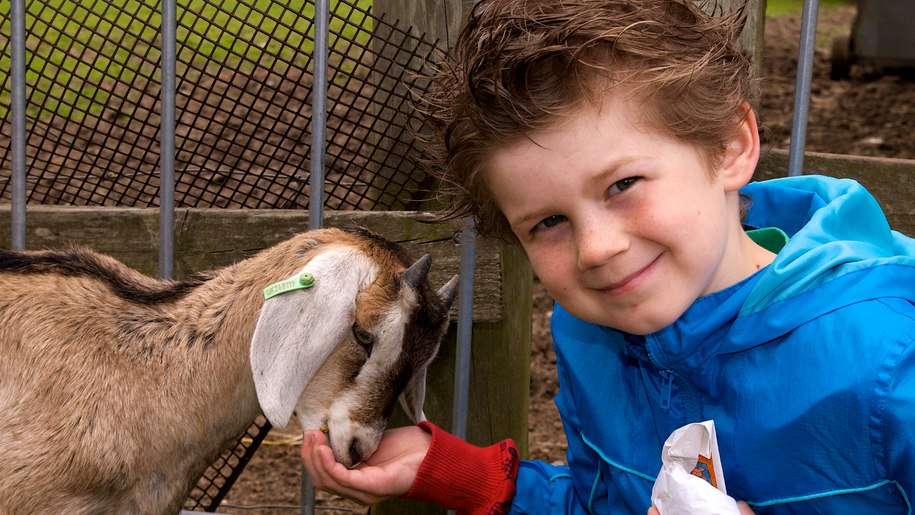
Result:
<point x="416" y="274"/>
<point x="449" y="291"/>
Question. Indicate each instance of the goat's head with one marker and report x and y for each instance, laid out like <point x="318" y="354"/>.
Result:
<point x="341" y="346"/>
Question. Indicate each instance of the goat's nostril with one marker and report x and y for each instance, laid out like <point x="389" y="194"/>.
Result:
<point x="355" y="455"/>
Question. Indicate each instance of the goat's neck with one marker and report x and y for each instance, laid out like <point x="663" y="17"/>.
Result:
<point x="223" y="313"/>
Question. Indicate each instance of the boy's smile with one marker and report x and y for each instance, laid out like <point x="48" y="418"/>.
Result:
<point x="626" y="226"/>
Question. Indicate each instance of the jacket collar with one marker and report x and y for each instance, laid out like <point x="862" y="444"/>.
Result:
<point x="700" y="332"/>
<point x="841" y="251"/>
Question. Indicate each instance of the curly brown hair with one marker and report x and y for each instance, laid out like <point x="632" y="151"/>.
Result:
<point x="520" y="66"/>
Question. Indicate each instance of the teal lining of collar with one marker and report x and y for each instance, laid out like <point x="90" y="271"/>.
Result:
<point x="772" y="239"/>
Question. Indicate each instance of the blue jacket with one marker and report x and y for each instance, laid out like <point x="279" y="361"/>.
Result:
<point x="807" y="368"/>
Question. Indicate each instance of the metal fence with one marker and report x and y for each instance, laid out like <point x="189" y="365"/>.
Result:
<point x="243" y="118"/>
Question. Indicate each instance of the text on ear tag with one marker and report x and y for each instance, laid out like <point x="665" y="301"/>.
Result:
<point x="304" y="280"/>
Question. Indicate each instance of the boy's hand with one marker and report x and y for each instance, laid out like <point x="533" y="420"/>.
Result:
<point x="388" y="473"/>
<point x="744" y="509"/>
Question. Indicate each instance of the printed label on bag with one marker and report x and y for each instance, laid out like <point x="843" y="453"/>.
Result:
<point x="705" y="468"/>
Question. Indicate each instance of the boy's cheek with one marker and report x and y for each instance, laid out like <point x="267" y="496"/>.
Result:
<point x="558" y="288"/>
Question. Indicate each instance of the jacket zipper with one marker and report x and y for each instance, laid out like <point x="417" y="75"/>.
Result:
<point x="691" y="406"/>
<point x="667" y="382"/>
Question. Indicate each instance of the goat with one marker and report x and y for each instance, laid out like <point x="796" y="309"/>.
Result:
<point x="117" y="390"/>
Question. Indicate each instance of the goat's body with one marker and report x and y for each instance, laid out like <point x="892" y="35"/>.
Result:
<point x="109" y="346"/>
<point x="118" y="390"/>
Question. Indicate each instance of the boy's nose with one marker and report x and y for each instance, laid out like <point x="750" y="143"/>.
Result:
<point x="598" y="243"/>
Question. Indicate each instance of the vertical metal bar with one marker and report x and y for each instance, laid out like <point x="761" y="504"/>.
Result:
<point x="307" y="495"/>
<point x="17" y="75"/>
<point x="167" y="141"/>
<point x="318" y="115"/>
<point x="316" y="180"/>
<point x="464" y="332"/>
<point x="802" y="89"/>
<point x="463" y="355"/>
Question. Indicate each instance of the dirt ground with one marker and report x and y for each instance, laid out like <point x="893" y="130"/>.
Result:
<point x="870" y="114"/>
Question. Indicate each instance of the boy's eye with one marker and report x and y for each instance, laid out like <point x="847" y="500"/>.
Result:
<point x="549" y="222"/>
<point x="623" y="185"/>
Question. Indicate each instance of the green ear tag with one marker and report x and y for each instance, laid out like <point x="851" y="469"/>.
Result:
<point x="305" y="280"/>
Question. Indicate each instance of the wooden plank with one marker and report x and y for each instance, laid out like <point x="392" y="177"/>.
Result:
<point x="210" y="238"/>
<point x="891" y="181"/>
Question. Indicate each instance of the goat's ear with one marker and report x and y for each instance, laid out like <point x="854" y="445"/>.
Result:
<point x="298" y="330"/>
<point x="413" y="397"/>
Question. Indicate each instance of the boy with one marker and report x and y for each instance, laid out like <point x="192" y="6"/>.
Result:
<point x="613" y="140"/>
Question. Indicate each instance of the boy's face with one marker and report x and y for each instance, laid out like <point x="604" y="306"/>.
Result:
<point x="626" y="227"/>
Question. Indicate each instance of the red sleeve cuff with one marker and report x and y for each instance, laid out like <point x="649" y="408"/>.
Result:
<point x="460" y="476"/>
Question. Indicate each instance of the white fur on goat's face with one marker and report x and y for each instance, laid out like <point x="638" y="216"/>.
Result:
<point x="355" y="408"/>
<point x="373" y="338"/>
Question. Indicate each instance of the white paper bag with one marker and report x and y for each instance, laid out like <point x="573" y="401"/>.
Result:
<point x="691" y="480"/>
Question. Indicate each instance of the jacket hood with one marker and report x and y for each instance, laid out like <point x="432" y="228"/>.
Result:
<point x="841" y="251"/>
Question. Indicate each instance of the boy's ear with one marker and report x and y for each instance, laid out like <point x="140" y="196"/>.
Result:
<point x="742" y="153"/>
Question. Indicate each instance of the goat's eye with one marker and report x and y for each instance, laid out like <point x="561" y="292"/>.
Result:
<point x="363" y="337"/>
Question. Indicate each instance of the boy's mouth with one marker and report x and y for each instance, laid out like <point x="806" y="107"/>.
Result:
<point x="631" y="281"/>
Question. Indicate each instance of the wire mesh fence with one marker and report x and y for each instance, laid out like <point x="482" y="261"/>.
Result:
<point x="243" y="120"/>
<point x="217" y="480"/>
<point x="243" y="132"/>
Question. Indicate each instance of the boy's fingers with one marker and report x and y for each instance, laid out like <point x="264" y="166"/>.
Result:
<point x="315" y="437"/>
<point x="323" y="470"/>
<point x="328" y="475"/>
<point x="328" y="462"/>
<point x="314" y="461"/>
<point x="744" y="508"/>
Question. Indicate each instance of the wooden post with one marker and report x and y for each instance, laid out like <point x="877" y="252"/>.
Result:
<point x="500" y="373"/>
<point x="422" y="31"/>
<point x="439" y="21"/>
<point x="751" y="39"/>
